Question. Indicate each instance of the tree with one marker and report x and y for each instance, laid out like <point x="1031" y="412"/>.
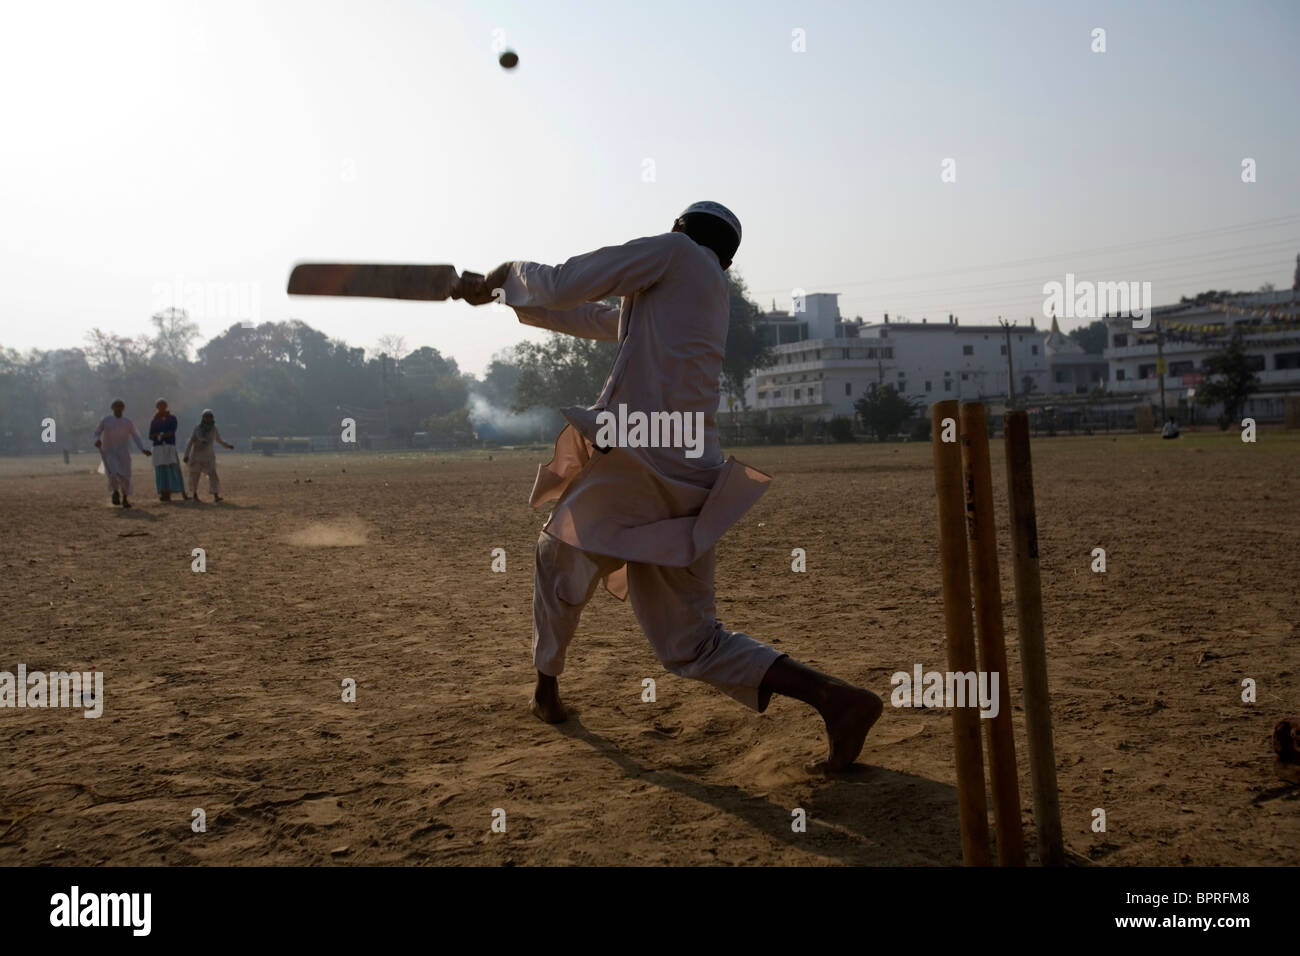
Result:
<point x="883" y="411"/>
<point x="450" y="428"/>
<point x="561" y="371"/>
<point x="394" y="346"/>
<point x="1092" y="337"/>
<point x="841" y="428"/>
<point x="175" y="335"/>
<point x="746" y="352"/>
<point x="1234" y="384"/>
<point x="500" y="380"/>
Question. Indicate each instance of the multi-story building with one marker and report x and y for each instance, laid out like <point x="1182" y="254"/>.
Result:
<point x="1184" y="336"/>
<point x="824" y="364"/>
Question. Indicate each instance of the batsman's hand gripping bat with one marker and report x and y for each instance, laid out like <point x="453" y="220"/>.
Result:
<point x="425" y="283"/>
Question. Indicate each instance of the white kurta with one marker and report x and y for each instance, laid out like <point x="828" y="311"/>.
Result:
<point x="652" y="505"/>
<point x="115" y="436"/>
<point x="203" y="452"/>
<point x="645" y="519"/>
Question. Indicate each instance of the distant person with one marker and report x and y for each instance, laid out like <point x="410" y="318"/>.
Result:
<point x="201" y="454"/>
<point x="166" y="463"/>
<point x="1171" y="429"/>
<point x="113" y="438"/>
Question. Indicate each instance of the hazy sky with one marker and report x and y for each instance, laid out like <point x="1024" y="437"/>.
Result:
<point x="144" y="144"/>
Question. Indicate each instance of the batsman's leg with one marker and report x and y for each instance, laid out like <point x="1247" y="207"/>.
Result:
<point x="676" y="610"/>
<point x="564" y="580"/>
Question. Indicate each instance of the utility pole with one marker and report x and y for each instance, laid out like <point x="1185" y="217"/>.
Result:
<point x="1011" y="375"/>
<point x="1160" y="369"/>
<point x="383" y="380"/>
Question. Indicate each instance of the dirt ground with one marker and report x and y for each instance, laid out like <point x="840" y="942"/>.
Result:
<point x="223" y="689"/>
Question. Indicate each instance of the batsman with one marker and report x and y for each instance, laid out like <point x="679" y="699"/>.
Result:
<point x="646" y="520"/>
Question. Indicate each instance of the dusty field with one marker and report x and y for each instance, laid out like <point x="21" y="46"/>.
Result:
<point x="223" y="689"/>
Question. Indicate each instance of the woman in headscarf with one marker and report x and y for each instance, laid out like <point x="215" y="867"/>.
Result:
<point x="166" y="463"/>
<point x="201" y="454"/>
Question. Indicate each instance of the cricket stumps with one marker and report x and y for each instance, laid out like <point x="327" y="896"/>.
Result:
<point x="972" y="809"/>
<point x="963" y="486"/>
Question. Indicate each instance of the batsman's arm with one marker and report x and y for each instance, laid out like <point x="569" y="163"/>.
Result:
<point x="591" y="320"/>
<point x="614" y="270"/>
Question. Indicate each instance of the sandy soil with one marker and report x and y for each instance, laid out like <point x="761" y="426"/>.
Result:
<point x="224" y="688"/>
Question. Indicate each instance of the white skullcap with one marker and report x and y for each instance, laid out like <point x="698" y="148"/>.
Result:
<point x="716" y="209"/>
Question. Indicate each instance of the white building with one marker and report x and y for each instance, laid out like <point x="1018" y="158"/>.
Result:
<point x="1269" y="325"/>
<point x="1071" y="370"/>
<point x="824" y="364"/>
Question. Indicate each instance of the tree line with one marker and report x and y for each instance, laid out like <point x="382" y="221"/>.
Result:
<point x="288" y="379"/>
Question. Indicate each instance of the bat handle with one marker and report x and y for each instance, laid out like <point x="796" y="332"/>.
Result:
<point x="466" y="279"/>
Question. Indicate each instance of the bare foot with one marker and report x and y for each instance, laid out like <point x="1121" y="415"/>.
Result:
<point x="849" y="716"/>
<point x="545" y="704"/>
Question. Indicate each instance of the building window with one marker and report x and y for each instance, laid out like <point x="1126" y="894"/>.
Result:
<point x="819" y="354"/>
<point x="1255" y="363"/>
<point x="1119" y="375"/>
<point x="796" y="393"/>
<point x="848" y="388"/>
<point x="1181" y="368"/>
<point x="968" y="349"/>
<point x="1033" y="350"/>
<point x="845" y="353"/>
<point x="963" y="376"/>
<point x="776" y="393"/>
<point x="1120" y="340"/>
<point x="947" y="385"/>
<point x="1147" y="371"/>
<point x="1284" y="360"/>
<point x="889" y="352"/>
<point x="1060" y="376"/>
<point x="927" y="386"/>
<point x="1004" y="349"/>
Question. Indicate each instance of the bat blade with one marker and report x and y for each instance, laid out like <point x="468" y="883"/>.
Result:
<point x="373" y="280"/>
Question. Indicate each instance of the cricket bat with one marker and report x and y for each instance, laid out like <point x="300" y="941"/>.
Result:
<point x="428" y="283"/>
